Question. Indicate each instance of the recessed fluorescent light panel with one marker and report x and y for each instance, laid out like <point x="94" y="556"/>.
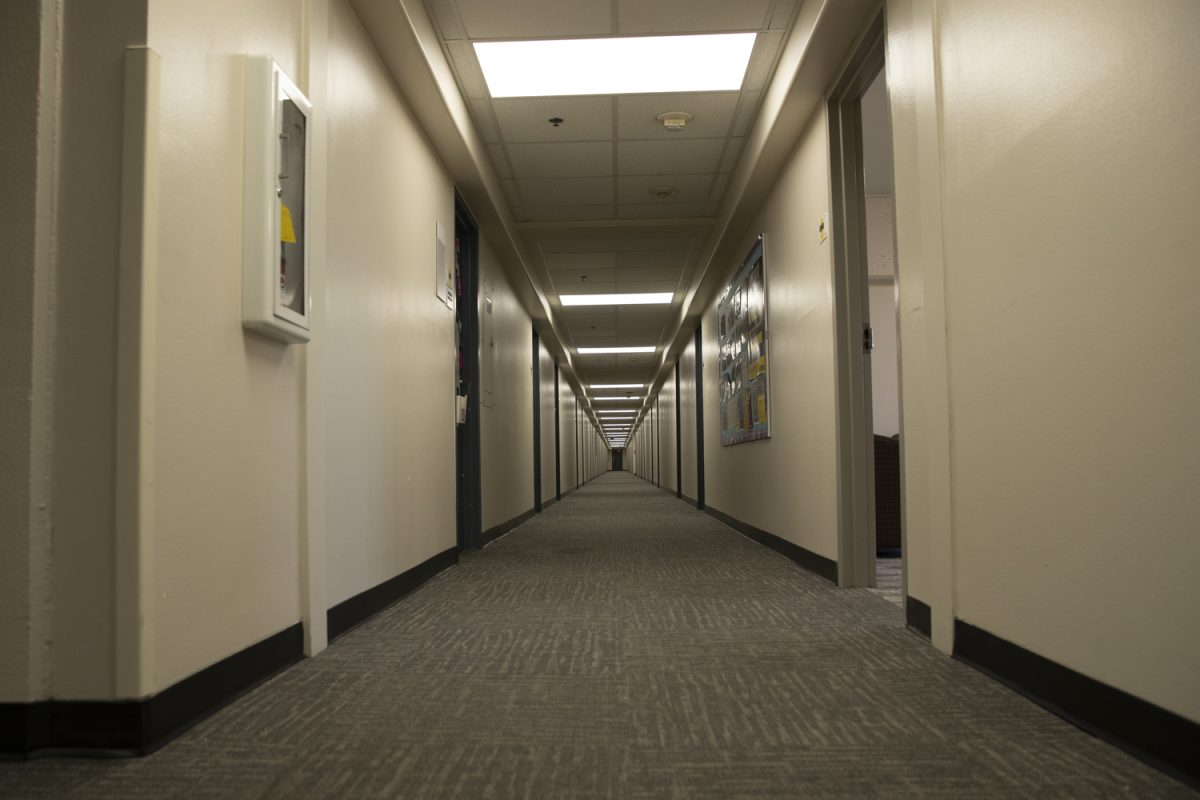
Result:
<point x="615" y="413"/>
<point x="586" y="351"/>
<point x="629" y="299"/>
<point x="616" y="385"/>
<point x="616" y="65"/>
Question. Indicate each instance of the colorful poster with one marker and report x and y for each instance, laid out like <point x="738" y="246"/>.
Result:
<point x="742" y="361"/>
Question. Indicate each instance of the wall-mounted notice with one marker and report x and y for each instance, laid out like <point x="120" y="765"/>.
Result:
<point x="742" y="337"/>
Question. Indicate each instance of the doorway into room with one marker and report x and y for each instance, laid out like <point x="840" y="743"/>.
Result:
<point x="865" y="285"/>
<point x="468" y="483"/>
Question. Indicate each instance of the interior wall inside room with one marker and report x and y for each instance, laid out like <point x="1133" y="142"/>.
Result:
<point x="506" y="420"/>
<point x="1069" y="310"/>
<point x="744" y="480"/>
<point x="687" y="417"/>
<point x="546" y="403"/>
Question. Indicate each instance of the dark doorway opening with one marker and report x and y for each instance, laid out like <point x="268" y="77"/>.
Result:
<point x="618" y="460"/>
<point x="468" y="490"/>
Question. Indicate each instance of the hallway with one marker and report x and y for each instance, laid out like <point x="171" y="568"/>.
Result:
<point x="621" y="645"/>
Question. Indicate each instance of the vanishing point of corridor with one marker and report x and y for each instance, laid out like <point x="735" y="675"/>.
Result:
<point x="621" y="644"/>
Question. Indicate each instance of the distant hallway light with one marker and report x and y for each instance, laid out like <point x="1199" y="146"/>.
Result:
<point x="616" y="65"/>
<point x="604" y="399"/>
<point x="585" y="351"/>
<point x="628" y="299"/>
<point x="615" y="385"/>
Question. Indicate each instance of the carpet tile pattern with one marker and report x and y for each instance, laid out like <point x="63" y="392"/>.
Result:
<point x="621" y="645"/>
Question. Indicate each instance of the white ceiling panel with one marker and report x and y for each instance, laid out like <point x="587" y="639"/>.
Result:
<point x="582" y="261"/>
<point x="621" y="242"/>
<point x="470" y="76"/>
<point x="649" y="286"/>
<point x="762" y="59"/>
<point x="661" y="210"/>
<point x="690" y="16"/>
<point x="561" y="213"/>
<point x="510" y="191"/>
<point x="584" y="281"/>
<point x="654" y="258"/>
<point x="445" y="15"/>
<point x="481" y="112"/>
<point x="561" y="160"/>
<point x="499" y="160"/>
<point x="782" y="13"/>
<point x="671" y="273"/>
<point x="528" y="19"/>
<point x="526" y="119"/>
<point x="719" y="187"/>
<point x="666" y="157"/>
<point x="712" y="114"/>
<point x="543" y="192"/>
<point x="688" y="188"/>
<point x="733" y="151"/>
<point x="745" y="113"/>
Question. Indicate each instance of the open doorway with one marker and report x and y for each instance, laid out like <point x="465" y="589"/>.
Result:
<point x="865" y="286"/>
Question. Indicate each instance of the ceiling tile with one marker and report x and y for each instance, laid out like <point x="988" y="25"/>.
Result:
<point x="733" y="151"/>
<point x="671" y="273"/>
<point x="660" y="210"/>
<point x="745" y="113"/>
<point x="499" y="160"/>
<point x="766" y="48"/>
<point x="555" y="261"/>
<point x="781" y="14"/>
<point x="648" y="286"/>
<point x="690" y="16"/>
<point x="719" y="187"/>
<point x="572" y="281"/>
<point x="510" y="191"/>
<point x="561" y="160"/>
<point x="665" y="157"/>
<point x="446" y="16"/>
<point x="585" y="119"/>
<point x="653" y="258"/>
<point x="561" y="213"/>
<point x="481" y="112"/>
<point x="519" y="214"/>
<point x="712" y="114"/>
<point x="688" y="188"/>
<point x="527" y="19"/>
<point x="462" y="54"/>
<point x="543" y="192"/>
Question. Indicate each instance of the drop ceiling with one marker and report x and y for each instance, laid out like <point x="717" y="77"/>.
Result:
<point x="587" y="193"/>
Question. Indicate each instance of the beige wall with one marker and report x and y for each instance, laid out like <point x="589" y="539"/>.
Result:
<point x="566" y="428"/>
<point x="506" y="425"/>
<point x="787" y="484"/>
<point x="389" y="341"/>
<point x="687" y="416"/>
<point x="1071" y="298"/>
<point x="546" y="406"/>
<point x="667" y="412"/>
<point x="228" y="421"/>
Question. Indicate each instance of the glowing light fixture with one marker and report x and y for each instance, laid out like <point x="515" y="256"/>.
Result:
<point x="585" y="351"/>
<point x="615" y="65"/>
<point x="615" y="385"/>
<point x="604" y="399"/>
<point x="628" y="299"/>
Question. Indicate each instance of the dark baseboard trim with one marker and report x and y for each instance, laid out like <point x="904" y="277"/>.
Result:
<point x="918" y="616"/>
<point x="818" y="564"/>
<point x="496" y="531"/>
<point x="138" y="727"/>
<point x="1164" y="740"/>
<point x="547" y="503"/>
<point x="364" y="605"/>
<point x="691" y="501"/>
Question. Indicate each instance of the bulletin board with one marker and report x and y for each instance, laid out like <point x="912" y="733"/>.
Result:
<point x="742" y="338"/>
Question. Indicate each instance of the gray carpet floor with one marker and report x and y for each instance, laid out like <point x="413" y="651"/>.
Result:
<point x="621" y="644"/>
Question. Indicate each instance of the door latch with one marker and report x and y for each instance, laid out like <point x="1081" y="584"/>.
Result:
<point x="868" y="339"/>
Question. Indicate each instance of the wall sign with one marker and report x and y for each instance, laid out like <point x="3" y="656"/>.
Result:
<point x="742" y="338"/>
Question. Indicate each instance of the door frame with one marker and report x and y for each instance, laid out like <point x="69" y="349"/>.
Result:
<point x="468" y="470"/>
<point x="855" y="427"/>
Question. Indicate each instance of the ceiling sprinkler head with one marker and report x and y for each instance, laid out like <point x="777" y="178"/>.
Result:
<point x="674" y="121"/>
<point x="663" y="192"/>
<point x="556" y="121"/>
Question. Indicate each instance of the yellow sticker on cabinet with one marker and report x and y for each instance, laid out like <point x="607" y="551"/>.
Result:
<point x="287" y="233"/>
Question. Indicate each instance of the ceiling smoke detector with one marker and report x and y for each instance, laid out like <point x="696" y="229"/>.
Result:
<point x="674" y="121"/>
<point x="663" y="192"/>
